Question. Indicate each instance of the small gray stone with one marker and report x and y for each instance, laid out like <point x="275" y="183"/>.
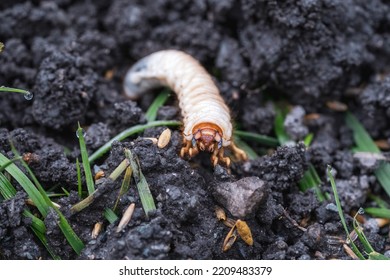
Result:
<point x="242" y="197"/>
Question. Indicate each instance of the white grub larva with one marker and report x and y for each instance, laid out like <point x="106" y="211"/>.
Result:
<point x="206" y="118"/>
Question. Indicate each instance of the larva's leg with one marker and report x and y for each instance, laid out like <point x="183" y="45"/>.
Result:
<point x="220" y="157"/>
<point x="238" y="153"/>
<point x="186" y="148"/>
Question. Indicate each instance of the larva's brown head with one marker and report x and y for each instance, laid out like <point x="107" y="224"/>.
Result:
<point x="207" y="137"/>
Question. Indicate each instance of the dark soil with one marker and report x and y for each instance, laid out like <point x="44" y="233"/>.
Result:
<point x="73" y="55"/>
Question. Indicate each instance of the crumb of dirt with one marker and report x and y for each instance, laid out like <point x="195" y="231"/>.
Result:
<point x="353" y="192"/>
<point x="293" y="124"/>
<point x="241" y="198"/>
<point x="97" y="135"/>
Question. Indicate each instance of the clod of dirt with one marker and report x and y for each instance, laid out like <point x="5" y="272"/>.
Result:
<point x="15" y="236"/>
<point x="283" y="169"/>
<point x="375" y="104"/>
<point x="64" y="88"/>
<point x="352" y="192"/>
<point x="97" y="135"/>
<point x="242" y="197"/>
<point x="293" y="124"/>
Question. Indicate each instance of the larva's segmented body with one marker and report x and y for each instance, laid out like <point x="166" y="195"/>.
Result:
<point x="206" y="118"/>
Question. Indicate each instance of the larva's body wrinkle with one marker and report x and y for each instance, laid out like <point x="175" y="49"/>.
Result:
<point x="206" y="118"/>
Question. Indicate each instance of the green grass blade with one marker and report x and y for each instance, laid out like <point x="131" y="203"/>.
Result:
<point x="85" y="161"/>
<point x="341" y="214"/>
<point x="262" y="139"/>
<point x="39" y="229"/>
<point x="16" y="90"/>
<point x="365" y="143"/>
<point x="27" y="185"/>
<point x="379" y="201"/>
<point x="145" y="195"/>
<point x="378" y="212"/>
<point x="310" y="180"/>
<point x="308" y="139"/>
<point x="360" y="135"/>
<point x="110" y="215"/>
<point x="160" y="100"/>
<point x="2" y="167"/>
<point x="280" y="132"/>
<point x="382" y="173"/>
<point x="362" y="237"/>
<point x="74" y="241"/>
<point x="70" y="235"/>
<point x="377" y="256"/>
<point x="7" y="191"/>
<point x="127" y="133"/>
<point x="79" y="182"/>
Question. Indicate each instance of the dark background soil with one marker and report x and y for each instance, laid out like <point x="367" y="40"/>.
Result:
<point x="73" y="55"/>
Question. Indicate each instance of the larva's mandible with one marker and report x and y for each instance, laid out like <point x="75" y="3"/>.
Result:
<point x="206" y="118"/>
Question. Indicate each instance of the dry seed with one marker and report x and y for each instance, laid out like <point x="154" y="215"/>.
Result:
<point x="99" y="175"/>
<point x="126" y="217"/>
<point x="96" y="230"/>
<point x="337" y="106"/>
<point x="245" y="232"/>
<point x="164" y="138"/>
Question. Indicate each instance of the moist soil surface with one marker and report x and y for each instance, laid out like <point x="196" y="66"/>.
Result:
<point x="73" y="55"/>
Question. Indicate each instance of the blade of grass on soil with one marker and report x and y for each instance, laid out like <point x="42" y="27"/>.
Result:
<point x="378" y="212"/>
<point x="72" y="238"/>
<point x="160" y="100"/>
<point x="110" y="215"/>
<point x="127" y="133"/>
<point x="85" y="161"/>
<point x="261" y="139"/>
<point x="280" y="132"/>
<point x="27" y="185"/>
<point x="39" y="229"/>
<point x="341" y="214"/>
<point x="79" y="182"/>
<point x="365" y="143"/>
<point x="7" y="191"/>
<point x="145" y="195"/>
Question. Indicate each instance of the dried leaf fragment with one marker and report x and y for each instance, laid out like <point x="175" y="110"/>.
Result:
<point x="230" y="238"/>
<point x="220" y="213"/>
<point x="164" y="138"/>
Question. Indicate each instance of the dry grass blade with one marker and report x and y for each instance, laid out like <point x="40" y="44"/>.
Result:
<point x="125" y="186"/>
